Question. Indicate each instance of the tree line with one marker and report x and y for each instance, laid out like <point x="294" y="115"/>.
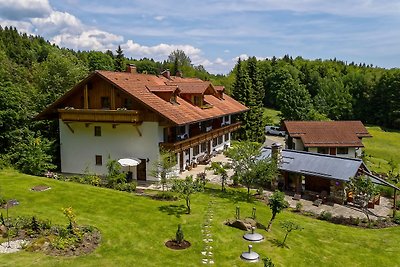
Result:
<point x="34" y="73"/>
<point x="320" y="89"/>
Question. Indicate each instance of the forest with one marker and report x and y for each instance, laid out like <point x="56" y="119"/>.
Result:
<point x="34" y="73"/>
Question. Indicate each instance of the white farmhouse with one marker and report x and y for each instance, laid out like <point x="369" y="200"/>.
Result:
<point x="130" y="115"/>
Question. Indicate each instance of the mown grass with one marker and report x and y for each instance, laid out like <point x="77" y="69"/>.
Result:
<point x="381" y="148"/>
<point x="272" y="116"/>
<point x="134" y="229"/>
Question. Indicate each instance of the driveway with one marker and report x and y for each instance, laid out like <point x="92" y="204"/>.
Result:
<point x="270" y="139"/>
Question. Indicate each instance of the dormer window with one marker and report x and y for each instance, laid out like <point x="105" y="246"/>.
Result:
<point x="173" y="99"/>
<point x="197" y="100"/>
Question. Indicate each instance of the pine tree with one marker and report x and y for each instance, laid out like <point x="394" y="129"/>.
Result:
<point x="241" y="91"/>
<point x="119" y="60"/>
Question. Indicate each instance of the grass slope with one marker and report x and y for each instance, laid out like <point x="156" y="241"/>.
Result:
<point x="134" y="230"/>
<point x="381" y="148"/>
<point x="272" y="116"/>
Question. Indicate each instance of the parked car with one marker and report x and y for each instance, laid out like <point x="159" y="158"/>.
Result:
<point x="274" y="130"/>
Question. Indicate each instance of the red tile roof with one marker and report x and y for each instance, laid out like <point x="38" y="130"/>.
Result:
<point x="142" y="86"/>
<point x="328" y="133"/>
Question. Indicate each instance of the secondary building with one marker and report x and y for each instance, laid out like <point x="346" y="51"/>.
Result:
<point x="114" y="115"/>
<point x="341" y="138"/>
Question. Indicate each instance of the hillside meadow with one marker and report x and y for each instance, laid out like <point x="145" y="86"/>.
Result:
<point x="134" y="229"/>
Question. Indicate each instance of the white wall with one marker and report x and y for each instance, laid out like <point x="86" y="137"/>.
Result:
<point x="350" y="154"/>
<point x="78" y="149"/>
<point x="298" y="144"/>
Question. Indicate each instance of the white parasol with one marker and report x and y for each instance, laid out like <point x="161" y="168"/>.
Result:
<point x="129" y="162"/>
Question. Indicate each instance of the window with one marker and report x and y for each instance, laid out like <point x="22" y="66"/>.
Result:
<point x="323" y="150"/>
<point x="220" y="140"/>
<point x="227" y="137"/>
<point x="203" y="147"/>
<point x="197" y="100"/>
<point x="214" y="142"/>
<point x="128" y="104"/>
<point x="97" y="130"/>
<point x="105" y="102"/>
<point x="226" y="119"/>
<point x="99" y="160"/>
<point x="173" y="99"/>
<point x="342" y="150"/>
<point x="195" y="150"/>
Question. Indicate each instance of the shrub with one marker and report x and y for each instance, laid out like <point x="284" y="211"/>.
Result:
<point x="91" y="179"/>
<point x="386" y="191"/>
<point x="3" y="201"/>
<point x="165" y="195"/>
<point x="396" y="219"/>
<point x="127" y="187"/>
<point x="355" y="221"/>
<point x="179" y="237"/>
<point x="268" y="262"/>
<point x="299" y="206"/>
<point x="325" y="216"/>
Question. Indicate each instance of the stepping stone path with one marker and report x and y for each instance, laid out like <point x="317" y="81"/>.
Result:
<point x="207" y="255"/>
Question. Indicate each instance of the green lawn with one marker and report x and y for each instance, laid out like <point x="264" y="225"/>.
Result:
<point x="381" y="148"/>
<point x="134" y="229"/>
<point x="272" y="116"/>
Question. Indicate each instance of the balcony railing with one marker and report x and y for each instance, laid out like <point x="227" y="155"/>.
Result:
<point x="198" y="139"/>
<point x="101" y="115"/>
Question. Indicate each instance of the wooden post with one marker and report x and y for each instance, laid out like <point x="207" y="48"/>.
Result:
<point x="85" y="97"/>
<point x="394" y="202"/>
<point x="112" y="98"/>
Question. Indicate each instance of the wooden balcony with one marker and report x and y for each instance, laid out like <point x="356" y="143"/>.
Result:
<point x="100" y="115"/>
<point x="198" y="139"/>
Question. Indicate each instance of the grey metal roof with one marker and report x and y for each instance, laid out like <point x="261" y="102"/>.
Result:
<point x="307" y="163"/>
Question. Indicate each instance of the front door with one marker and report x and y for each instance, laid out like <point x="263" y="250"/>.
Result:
<point x="332" y="151"/>
<point x="141" y="170"/>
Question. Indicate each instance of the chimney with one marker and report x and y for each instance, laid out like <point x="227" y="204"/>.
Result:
<point x="131" y="68"/>
<point x="276" y="152"/>
<point x="166" y="74"/>
<point x="178" y="73"/>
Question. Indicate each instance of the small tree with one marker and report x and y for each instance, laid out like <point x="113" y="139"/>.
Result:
<point x="163" y="167"/>
<point x="244" y="155"/>
<point x="289" y="226"/>
<point x="186" y="188"/>
<point x="179" y="237"/>
<point x="114" y="175"/>
<point x="276" y="203"/>
<point x="220" y="169"/>
<point x="268" y="262"/>
<point x="72" y="226"/>
<point x="363" y="190"/>
<point x="119" y="60"/>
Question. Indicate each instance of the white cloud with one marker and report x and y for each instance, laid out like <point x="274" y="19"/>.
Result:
<point x="88" y="40"/>
<point x="22" y="26"/>
<point x="20" y="9"/>
<point x="159" y="51"/>
<point x="242" y="57"/>
<point x="58" y="22"/>
<point x="159" y="18"/>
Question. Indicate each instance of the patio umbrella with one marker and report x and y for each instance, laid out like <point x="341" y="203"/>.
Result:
<point x="129" y="162"/>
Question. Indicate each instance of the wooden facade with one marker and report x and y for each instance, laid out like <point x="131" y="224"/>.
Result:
<point x="198" y="139"/>
<point x="100" y="115"/>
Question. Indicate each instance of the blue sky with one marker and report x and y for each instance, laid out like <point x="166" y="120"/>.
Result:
<point x="215" y="33"/>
